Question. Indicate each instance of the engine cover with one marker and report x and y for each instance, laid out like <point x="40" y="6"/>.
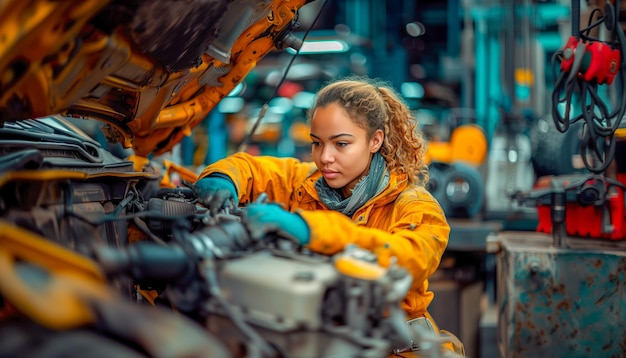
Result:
<point x="281" y="293"/>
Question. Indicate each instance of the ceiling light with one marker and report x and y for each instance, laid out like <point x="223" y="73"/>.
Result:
<point x="321" y="46"/>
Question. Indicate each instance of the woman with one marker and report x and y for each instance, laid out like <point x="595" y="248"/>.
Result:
<point x="366" y="182"/>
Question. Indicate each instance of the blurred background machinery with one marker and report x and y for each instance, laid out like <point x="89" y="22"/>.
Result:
<point x="483" y="78"/>
<point x="521" y="102"/>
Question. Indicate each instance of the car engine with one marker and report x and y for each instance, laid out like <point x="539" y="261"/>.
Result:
<point x="156" y="246"/>
<point x="100" y="253"/>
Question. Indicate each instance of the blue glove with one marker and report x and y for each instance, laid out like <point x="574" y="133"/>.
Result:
<point x="262" y="219"/>
<point x="216" y="192"/>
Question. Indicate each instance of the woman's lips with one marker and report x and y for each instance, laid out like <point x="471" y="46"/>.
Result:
<point x="329" y="174"/>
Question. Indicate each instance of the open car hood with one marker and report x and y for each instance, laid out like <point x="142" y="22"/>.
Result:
<point x="151" y="70"/>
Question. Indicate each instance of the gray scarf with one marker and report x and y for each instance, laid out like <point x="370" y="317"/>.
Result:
<point x="368" y="186"/>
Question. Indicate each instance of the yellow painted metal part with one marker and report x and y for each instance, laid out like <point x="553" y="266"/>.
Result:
<point x="52" y="60"/>
<point x="55" y="174"/>
<point x="149" y="295"/>
<point x="186" y="113"/>
<point x="524" y="76"/>
<point x="360" y="269"/>
<point x="36" y="38"/>
<point x="468" y="144"/>
<point x="620" y="133"/>
<point x="61" y="283"/>
<point x="172" y="168"/>
<point x="41" y="175"/>
<point x="438" y="152"/>
<point x="139" y="162"/>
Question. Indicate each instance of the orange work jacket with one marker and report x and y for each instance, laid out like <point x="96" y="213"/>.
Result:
<point x="405" y="220"/>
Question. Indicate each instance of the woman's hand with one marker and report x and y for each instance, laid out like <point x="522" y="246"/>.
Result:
<point x="216" y="192"/>
<point x="262" y="219"/>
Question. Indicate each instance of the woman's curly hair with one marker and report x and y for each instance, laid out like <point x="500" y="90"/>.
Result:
<point x="373" y="105"/>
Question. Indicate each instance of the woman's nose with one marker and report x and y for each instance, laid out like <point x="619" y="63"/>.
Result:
<point x="327" y="155"/>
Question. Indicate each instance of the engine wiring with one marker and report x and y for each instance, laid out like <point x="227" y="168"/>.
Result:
<point x="246" y="141"/>
<point x="573" y="86"/>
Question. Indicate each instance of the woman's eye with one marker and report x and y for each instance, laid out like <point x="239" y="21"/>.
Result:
<point x="341" y="144"/>
<point x="315" y="144"/>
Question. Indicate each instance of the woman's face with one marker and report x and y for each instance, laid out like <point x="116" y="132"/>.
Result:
<point x="340" y="148"/>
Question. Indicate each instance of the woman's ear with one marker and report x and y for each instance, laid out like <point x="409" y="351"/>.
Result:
<point x="376" y="141"/>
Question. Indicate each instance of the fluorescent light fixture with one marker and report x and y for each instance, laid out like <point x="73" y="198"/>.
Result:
<point x="270" y="116"/>
<point x="415" y="29"/>
<point x="230" y="104"/>
<point x="412" y="90"/>
<point x="321" y="46"/>
<point x="281" y="105"/>
<point x="304" y="100"/>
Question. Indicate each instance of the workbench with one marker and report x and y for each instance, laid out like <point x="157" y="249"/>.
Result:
<point x="565" y="300"/>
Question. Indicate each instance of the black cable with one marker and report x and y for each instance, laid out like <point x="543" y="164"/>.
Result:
<point x="590" y="26"/>
<point x="142" y="214"/>
<point x="575" y="18"/>
<point x="246" y="141"/>
<point x="600" y="123"/>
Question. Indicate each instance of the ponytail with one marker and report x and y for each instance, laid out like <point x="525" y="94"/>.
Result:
<point x="404" y="147"/>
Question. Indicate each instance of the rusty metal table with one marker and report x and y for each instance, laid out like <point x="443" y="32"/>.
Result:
<point x="559" y="301"/>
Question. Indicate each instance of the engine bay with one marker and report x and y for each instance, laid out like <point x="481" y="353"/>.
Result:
<point x="105" y="252"/>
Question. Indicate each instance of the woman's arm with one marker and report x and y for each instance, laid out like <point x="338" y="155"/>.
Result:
<point x="253" y="175"/>
<point x="417" y="237"/>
